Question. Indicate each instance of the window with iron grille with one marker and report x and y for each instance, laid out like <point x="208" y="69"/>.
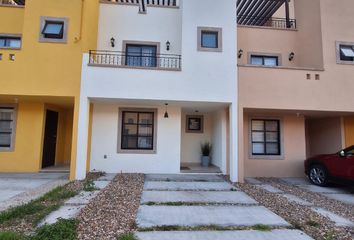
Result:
<point x="138" y="128"/>
<point x="7" y="127"/>
<point x="265" y="137"/>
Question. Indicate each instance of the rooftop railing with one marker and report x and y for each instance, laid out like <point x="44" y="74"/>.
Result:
<point x="132" y="60"/>
<point x="279" y="23"/>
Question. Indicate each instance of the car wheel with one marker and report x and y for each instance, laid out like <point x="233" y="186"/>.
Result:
<point x="318" y="175"/>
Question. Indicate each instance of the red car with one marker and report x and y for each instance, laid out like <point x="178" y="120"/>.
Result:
<point x="337" y="167"/>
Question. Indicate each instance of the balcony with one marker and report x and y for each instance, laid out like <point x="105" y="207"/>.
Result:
<point x="279" y="23"/>
<point x="14" y="3"/>
<point x="170" y="62"/>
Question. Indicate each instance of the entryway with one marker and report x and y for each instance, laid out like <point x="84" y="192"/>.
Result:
<point x="50" y="139"/>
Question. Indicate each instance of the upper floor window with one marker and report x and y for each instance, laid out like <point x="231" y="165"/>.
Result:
<point x="141" y="55"/>
<point x="346" y="53"/>
<point x="9" y="41"/>
<point x="7" y="128"/>
<point x="209" y="39"/>
<point x="53" y="30"/>
<point x="264" y="60"/>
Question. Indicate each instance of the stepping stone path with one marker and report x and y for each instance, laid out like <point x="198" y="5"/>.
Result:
<point x="194" y="201"/>
<point x="73" y="206"/>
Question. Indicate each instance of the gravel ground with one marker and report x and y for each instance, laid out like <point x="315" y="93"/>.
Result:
<point x="113" y="211"/>
<point x="301" y="217"/>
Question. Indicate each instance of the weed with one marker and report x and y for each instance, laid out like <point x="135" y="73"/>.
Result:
<point x="312" y="223"/>
<point x="63" y="229"/>
<point x="21" y="211"/>
<point x="57" y="194"/>
<point x="261" y="227"/>
<point x="11" y="236"/>
<point x="128" y="236"/>
<point x="89" y="186"/>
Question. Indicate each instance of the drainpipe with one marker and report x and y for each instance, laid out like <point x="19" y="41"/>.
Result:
<point x="78" y="39"/>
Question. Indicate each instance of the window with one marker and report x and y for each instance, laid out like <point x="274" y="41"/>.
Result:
<point x="141" y="55"/>
<point x="265" y="137"/>
<point x="53" y="30"/>
<point x="7" y="127"/>
<point x="346" y="53"/>
<point x="264" y="60"/>
<point x="10" y="42"/>
<point x="209" y="39"/>
<point x="138" y="130"/>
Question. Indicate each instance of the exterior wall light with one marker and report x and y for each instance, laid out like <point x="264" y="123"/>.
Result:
<point x="166" y="113"/>
<point x="168" y="45"/>
<point x="240" y="53"/>
<point x="291" y="56"/>
<point x="113" y="42"/>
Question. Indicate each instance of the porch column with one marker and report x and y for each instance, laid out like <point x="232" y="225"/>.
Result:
<point x="82" y="138"/>
<point x="233" y="142"/>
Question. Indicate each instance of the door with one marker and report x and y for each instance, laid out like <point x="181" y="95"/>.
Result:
<point x="50" y="139"/>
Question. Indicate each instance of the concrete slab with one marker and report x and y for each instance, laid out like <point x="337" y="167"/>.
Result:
<point x="226" y="216"/>
<point x="35" y="175"/>
<point x="338" y="220"/>
<point x="8" y="194"/>
<point x="317" y="189"/>
<point x="270" y="188"/>
<point x="107" y="177"/>
<point x="184" y="177"/>
<point x="346" y="198"/>
<point x="177" y="186"/>
<point x="65" y="212"/>
<point x="253" y="181"/>
<point x="101" y="184"/>
<point x="82" y="198"/>
<point x="196" y="197"/>
<point x="295" y="199"/>
<point x="296" y="181"/>
<point x="225" y="235"/>
<point x="21" y="184"/>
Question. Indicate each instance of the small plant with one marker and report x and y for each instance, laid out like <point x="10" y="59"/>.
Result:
<point x="206" y="149"/>
<point x="11" y="236"/>
<point x="21" y="211"/>
<point x="59" y="193"/>
<point x="296" y="225"/>
<point x="128" y="236"/>
<point x="261" y="227"/>
<point x="63" y="229"/>
<point x="312" y="223"/>
<point x="89" y="186"/>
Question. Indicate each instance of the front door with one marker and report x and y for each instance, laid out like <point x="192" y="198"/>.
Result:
<point x="50" y="139"/>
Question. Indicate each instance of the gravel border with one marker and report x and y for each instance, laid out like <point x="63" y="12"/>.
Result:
<point x="113" y="211"/>
<point x="301" y="217"/>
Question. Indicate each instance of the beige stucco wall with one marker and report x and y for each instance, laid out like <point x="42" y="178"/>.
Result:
<point x="293" y="135"/>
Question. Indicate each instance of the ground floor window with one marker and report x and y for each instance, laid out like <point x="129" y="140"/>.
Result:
<point x="7" y="127"/>
<point x="138" y="128"/>
<point x="265" y="137"/>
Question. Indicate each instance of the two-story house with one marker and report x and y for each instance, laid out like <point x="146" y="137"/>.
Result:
<point x="161" y="82"/>
<point x="295" y="83"/>
<point x="41" y="47"/>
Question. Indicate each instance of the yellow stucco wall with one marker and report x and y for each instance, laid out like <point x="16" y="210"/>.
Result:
<point x="46" y="69"/>
<point x="349" y="131"/>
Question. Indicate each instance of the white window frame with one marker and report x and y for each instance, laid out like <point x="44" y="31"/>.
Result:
<point x="43" y="21"/>
<point x="266" y="157"/>
<point x="120" y="124"/>
<point x="14" y="126"/>
<point x="338" y="52"/>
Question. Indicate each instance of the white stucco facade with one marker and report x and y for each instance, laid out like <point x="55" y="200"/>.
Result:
<point x="206" y="83"/>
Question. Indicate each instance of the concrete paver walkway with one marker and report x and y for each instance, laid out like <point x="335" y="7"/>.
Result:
<point x="194" y="201"/>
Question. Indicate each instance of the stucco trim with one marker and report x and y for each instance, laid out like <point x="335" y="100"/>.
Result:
<point x="43" y="20"/>
<point x="125" y="151"/>
<point x="13" y="135"/>
<point x="339" y="61"/>
<point x="266" y="157"/>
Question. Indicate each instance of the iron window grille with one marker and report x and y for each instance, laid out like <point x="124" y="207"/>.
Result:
<point x="265" y="137"/>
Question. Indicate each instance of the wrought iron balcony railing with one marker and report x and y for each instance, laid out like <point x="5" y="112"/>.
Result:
<point x="281" y="23"/>
<point x="132" y="60"/>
